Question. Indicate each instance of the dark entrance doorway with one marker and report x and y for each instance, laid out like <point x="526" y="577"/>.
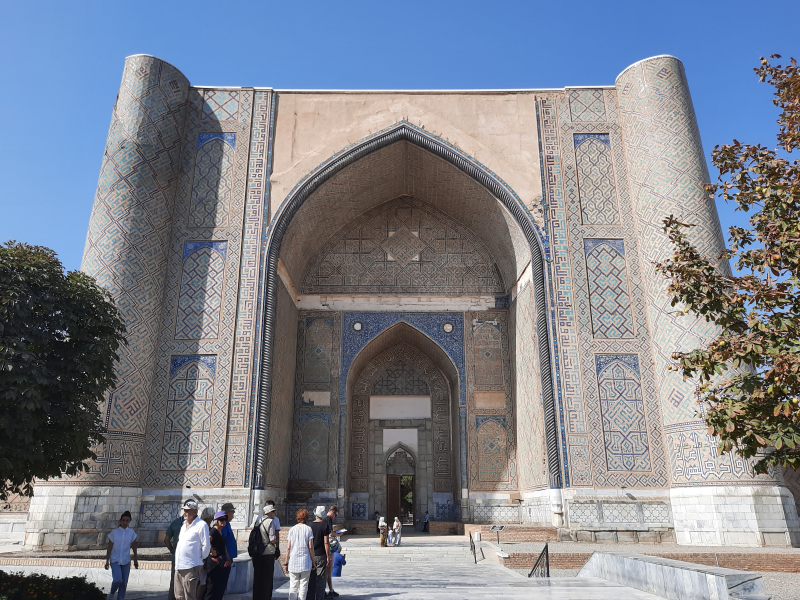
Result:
<point x="392" y="497"/>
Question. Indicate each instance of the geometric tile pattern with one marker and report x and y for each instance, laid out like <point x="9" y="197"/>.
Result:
<point x="492" y="452"/>
<point x="319" y="340"/>
<point x="400" y="379"/>
<point x="587" y="105"/>
<point x="220" y="105"/>
<point x="158" y="513"/>
<point x="248" y="333"/>
<point x="588" y="461"/>
<point x="608" y="288"/>
<point x="212" y="307"/>
<point x="622" y="406"/>
<point x="15" y="504"/>
<point x="583" y="512"/>
<point x="596" y="179"/>
<point x="403" y="246"/>
<point x="187" y="422"/>
<point x="212" y="183"/>
<point x="492" y="455"/>
<point x="667" y="168"/>
<point x="200" y="297"/>
<point x="620" y="512"/>
<point x="316" y="368"/>
<point x="656" y="512"/>
<point x="128" y="242"/>
<point x="495" y="514"/>
<point x="314" y="451"/>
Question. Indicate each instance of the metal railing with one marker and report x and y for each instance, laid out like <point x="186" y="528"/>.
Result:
<point x="542" y="566"/>
<point x="472" y="548"/>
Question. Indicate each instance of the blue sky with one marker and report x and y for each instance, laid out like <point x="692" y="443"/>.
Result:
<point x="61" y="64"/>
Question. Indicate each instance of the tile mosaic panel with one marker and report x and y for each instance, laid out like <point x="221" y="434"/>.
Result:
<point x="662" y="144"/>
<point x="158" y="513"/>
<point x="248" y="329"/>
<point x="598" y="194"/>
<point x="128" y="244"/>
<point x="227" y="432"/>
<point x="495" y="514"/>
<point x="612" y="315"/>
<point x="213" y="180"/>
<point x="201" y="291"/>
<point x="587" y="105"/>
<point x="220" y="105"/>
<point x="404" y="246"/>
<point x="317" y="358"/>
<point x="493" y="460"/>
<point x="314" y="436"/>
<point x="319" y="335"/>
<point x="15" y="504"/>
<point x="187" y="420"/>
<point x="400" y="379"/>
<point x="580" y="371"/>
<point x="490" y="432"/>
<point x="583" y="512"/>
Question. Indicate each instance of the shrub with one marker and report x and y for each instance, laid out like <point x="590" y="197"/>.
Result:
<point x="19" y="586"/>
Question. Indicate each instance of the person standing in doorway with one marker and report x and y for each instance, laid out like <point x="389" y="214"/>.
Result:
<point x="333" y="512"/>
<point x="299" y="559"/>
<point x="377" y="522"/>
<point x="427" y="519"/>
<point x="190" y="553"/>
<point x="230" y="542"/>
<point x="264" y="564"/>
<point x="120" y="543"/>
<point x="171" y="536"/>
<point x="322" y="555"/>
<point x="219" y="559"/>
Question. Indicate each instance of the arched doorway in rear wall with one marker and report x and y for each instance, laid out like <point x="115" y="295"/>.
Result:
<point x="341" y="171"/>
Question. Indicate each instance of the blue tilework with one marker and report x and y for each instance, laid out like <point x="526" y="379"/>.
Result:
<point x="579" y="138"/>
<point x="189" y="247"/>
<point x="322" y="416"/>
<point x="373" y="324"/>
<point x="496" y="418"/>
<point x="209" y="360"/>
<point x="228" y="138"/>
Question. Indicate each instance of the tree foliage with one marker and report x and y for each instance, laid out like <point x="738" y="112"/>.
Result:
<point x="749" y="375"/>
<point x="59" y="336"/>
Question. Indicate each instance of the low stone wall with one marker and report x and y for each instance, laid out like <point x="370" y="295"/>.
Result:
<point x="514" y="533"/>
<point x="621" y="536"/>
<point x="743" y="561"/>
<point x="445" y="528"/>
<point x="674" y="579"/>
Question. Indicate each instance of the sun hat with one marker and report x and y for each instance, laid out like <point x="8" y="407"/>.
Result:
<point x="320" y="512"/>
<point x="268" y="509"/>
<point x="190" y="504"/>
<point x="228" y="506"/>
<point x="221" y="515"/>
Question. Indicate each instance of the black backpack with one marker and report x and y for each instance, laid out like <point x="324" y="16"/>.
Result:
<point x="255" y="545"/>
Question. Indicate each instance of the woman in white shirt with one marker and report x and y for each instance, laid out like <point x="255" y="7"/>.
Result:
<point x="118" y="555"/>
<point x="299" y="556"/>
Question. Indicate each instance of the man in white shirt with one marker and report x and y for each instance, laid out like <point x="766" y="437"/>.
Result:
<point x="192" y="549"/>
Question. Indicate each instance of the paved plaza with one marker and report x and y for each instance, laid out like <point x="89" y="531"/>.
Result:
<point x="440" y="568"/>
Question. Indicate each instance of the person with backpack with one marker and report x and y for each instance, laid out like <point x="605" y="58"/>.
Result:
<point x="263" y="547"/>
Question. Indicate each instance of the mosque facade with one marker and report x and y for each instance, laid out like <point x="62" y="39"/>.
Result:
<point x="339" y="297"/>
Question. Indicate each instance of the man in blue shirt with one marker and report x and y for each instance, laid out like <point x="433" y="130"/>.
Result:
<point x="230" y="543"/>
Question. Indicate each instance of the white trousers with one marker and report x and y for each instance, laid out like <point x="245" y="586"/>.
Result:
<point x="298" y="585"/>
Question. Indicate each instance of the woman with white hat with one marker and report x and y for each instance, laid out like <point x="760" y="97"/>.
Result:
<point x="384" y="529"/>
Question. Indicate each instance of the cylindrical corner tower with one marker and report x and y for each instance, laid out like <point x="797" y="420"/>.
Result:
<point x="126" y="251"/>
<point x="715" y="499"/>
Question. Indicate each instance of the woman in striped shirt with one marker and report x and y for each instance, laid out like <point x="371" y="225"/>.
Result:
<point x="299" y="558"/>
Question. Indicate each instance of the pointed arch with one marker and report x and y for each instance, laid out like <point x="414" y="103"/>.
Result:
<point x="405" y="131"/>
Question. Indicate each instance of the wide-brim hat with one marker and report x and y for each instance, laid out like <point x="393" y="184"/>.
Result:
<point x="227" y="507"/>
<point x="268" y="509"/>
<point x="190" y="504"/>
<point x="221" y="515"/>
<point x="320" y="512"/>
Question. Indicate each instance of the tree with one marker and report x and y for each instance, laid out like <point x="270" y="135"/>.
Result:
<point x="59" y="336"/>
<point x="749" y="375"/>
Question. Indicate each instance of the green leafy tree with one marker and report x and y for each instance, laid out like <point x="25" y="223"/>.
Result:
<point x="59" y="336"/>
<point x="749" y="375"/>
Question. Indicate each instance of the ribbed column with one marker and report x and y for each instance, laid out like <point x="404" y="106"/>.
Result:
<point x="667" y="170"/>
<point x="126" y="247"/>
